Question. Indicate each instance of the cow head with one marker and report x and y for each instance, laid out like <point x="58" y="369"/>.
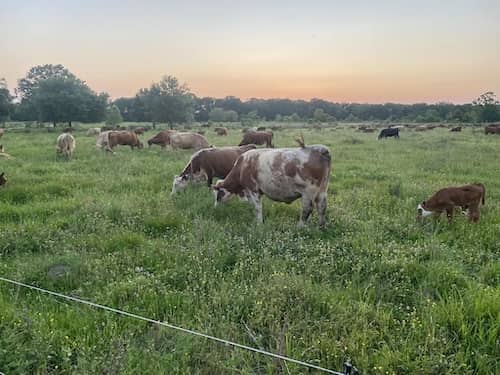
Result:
<point x="422" y="212"/>
<point x="179" y="184"/>
<point x="221" y="194"/>
<point x="3" y="179"/>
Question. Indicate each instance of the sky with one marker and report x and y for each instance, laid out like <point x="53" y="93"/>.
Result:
<point x="344" y="51"/>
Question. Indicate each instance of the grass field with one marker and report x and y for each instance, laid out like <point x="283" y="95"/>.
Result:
<point x="394" y="296"/>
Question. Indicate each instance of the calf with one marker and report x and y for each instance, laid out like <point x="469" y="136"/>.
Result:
<point x="283" y="175"/>
<point x="162" y="138"/>
<point x="467" y="197"/>
<point x="258" y="138"/>
<point x="389" y="132"/>
<point x="208" y="163"/>
<point x="65" y="145"/>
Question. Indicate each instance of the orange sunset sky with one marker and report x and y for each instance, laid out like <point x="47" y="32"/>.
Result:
<point x="345" y="51"/>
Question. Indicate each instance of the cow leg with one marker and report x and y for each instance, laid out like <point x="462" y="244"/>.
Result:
<point x="209" y="179"/>
<point x="321" y="208"/>
<point x="449" y="213"/>
<point x="255" y="199"/>
<point x="307" y="207"/>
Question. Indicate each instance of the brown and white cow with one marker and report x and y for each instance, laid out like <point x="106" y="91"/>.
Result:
<point x="467" y="197"/>
<point x="188" y="140"/>
<point x="65" y="145"/>
<point x="162" y="138"/>
<point x="208" y="163"/>
<point x="123" y="138"/>
<point x="258" y="138"/>
<point x="283" y="175"/>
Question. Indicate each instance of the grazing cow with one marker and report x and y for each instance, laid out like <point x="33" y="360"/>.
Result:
<point x="208" y="163"/>
<point x="162" y="138"/>
<point x="368" y="130"/>
<point x="139" y="131"/>
<point x="283" y="175"/>
<point x="258" y="138"/>
<point x="3" y="179"/>
<point x="421" y="128"/>
<point x="93" y="131"/>
<point x="65" y="145"/>
<point x="124" y="138"/>
<point x="456" y="129"/>
<point x="467" y="197"/>
<point x="389" y="132"/>
<point x="187" y="140"/>
<point x="1" y="132"/>
<point x="220" y="131"/>
<point x="492" y="129"/>
<point x="68" y="130"/>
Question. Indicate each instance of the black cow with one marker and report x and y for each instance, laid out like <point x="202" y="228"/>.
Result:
<point x="389" y="132"/>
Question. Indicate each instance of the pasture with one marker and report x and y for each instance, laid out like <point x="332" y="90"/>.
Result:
<point x="394" y="296"/>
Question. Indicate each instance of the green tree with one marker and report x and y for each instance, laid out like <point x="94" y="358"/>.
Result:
<point x="61" y="99"/>
<point x="487" y="107"/>
<point x="113" y="115"/>
<point x="320" y="115"/>
<point x="168" y="101"/>
<point x="221" y="115"/>
<point x="5" y="101"/>
<point x="28" y="84"/>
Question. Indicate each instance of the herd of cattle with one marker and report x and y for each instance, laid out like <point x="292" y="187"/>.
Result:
<point x="281" y="174"/>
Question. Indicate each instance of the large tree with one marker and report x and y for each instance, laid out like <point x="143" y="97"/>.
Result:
<point x="67" y="99"/>
<point x="5" y="101"/>
<point x="168" y="101"/>
<point x="52" y="93"/>
<point x="487" y="107"/>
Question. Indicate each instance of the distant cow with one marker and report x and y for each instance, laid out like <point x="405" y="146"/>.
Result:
<point x="492" y="129"/>
<point x="220" y="130"/>
<point x="93" y="131"/>
<point x="3" y="179"/>
<point x="68" y="130"/>
<point x="261" y="128"/>
<point x="283" y="175"/>
<point x="65" y="145"/>
<point x="389" y="132"/>
<point x="258" y="138"/>
<point x="187" y="140"/>
<point x="467" y="197"/>
<point x="421" y="128"/>
<point x="456" y="129"/>
<point x="162" y="138"/>
<point x="208" y="163"/>
<point x="124" y="138"/>
<point x="139" y="131"/>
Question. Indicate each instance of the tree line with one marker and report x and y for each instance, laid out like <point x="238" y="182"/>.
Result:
<point x="51" y="93"/>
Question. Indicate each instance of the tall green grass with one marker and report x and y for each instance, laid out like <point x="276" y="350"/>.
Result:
<point x="394" y="296"/>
